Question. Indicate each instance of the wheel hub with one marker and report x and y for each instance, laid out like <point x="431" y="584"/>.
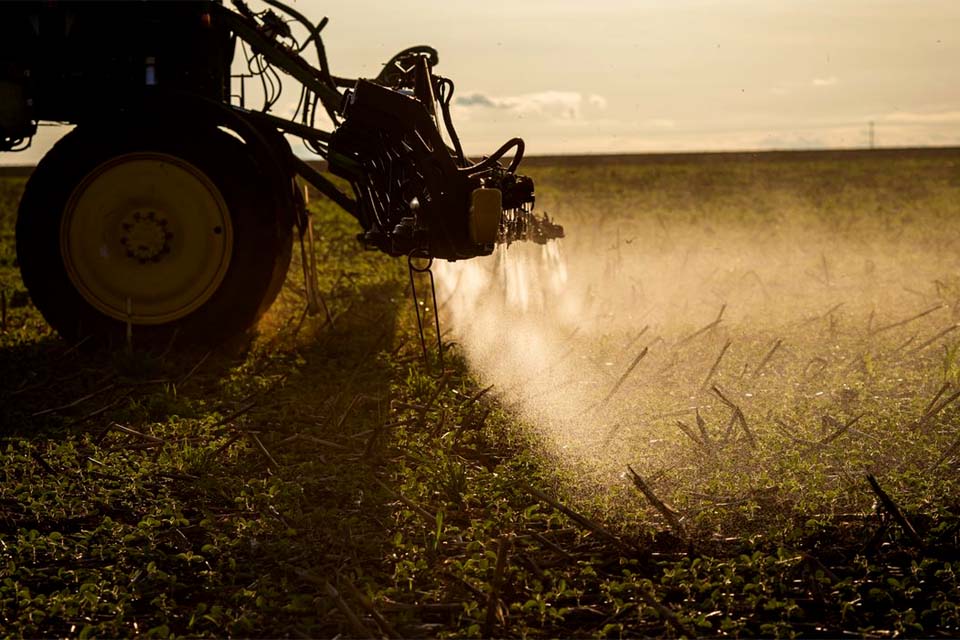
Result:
<point x="145" y="236"/>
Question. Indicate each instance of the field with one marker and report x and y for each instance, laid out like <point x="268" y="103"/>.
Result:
<point x="727" y="404"/>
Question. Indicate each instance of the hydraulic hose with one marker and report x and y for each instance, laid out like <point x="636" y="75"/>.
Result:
<point x="499" y="153"/>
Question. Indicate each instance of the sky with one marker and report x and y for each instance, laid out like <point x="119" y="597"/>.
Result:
<point x="623" y="76"/>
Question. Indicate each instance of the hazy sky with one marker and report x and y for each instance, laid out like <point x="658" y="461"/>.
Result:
<point x="581" y="76"/>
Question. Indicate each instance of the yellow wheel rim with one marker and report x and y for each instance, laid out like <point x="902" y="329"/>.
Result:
<point x="146" y="237"/>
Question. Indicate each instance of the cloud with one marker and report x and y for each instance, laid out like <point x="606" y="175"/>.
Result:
<point x="825" y="82"/>
<point x="597" y="101"/>
<point x="476" y="100"/>
<point x="557" y="105"/>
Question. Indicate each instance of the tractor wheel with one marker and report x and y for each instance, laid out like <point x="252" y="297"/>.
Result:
<point x="173" y="232"/>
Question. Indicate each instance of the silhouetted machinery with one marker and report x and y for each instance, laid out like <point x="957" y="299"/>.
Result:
<point x="171" y="205"/>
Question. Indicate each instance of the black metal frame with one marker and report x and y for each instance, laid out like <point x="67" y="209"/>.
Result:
<point x="411" y="191"/>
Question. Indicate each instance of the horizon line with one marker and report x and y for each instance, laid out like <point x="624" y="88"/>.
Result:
<point x="19" y="169"/>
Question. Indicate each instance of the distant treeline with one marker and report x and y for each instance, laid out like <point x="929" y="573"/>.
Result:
<point x="804" y="155"/>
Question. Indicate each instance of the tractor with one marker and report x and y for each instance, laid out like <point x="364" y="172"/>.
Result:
<point x="171" y="207"/>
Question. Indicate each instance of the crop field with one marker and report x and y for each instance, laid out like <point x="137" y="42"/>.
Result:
<point x="726" y="404"/>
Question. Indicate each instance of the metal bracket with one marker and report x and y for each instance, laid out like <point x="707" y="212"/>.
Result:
<point x="308" y="260"/>
<point x="413" y="268"/>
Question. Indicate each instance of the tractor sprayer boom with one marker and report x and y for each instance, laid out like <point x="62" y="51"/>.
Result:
<point x="413" y="193"/>
<point x="141" y="215"/>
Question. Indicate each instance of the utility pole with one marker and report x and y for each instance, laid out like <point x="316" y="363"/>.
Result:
<point x="872" y="138"/>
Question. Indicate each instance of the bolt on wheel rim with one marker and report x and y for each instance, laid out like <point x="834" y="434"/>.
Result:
<point x="146" y="237"/>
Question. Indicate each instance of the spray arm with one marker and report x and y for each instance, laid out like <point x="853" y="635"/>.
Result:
<point x="412" y="193"/>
